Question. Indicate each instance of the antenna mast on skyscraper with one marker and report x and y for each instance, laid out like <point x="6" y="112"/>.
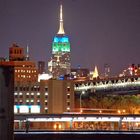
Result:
<point x="61" y="28"/>
<point x="27" y="52"/>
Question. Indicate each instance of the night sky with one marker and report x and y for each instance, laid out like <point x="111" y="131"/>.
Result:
<point x="100" y="31"/>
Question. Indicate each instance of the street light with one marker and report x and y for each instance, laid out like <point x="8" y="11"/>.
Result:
<point x="83" y="92"/>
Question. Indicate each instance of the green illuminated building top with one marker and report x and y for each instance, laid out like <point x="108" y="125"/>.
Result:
<point x="61" y="44"/>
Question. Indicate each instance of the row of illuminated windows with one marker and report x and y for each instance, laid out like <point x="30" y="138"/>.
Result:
<point x="27" y="101"/>
<point x="28" y="71"/>
<point x="25" y="76"/>
<point x="27" y="95"/>
<point x="38" y="93"/>
<point x="68" y="98"/>
<point x="68" y="102"/>
<point x="34" y="88"/>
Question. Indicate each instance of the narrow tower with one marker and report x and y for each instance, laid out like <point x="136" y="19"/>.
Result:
<point x="27" y="53"/>
<point x="60" y="62"/>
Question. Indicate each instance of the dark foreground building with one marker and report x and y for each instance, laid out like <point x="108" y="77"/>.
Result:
<point x="6" y="102"/>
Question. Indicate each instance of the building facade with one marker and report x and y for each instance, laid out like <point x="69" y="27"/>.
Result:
<point x="6" y="102"/>
<point x="46" y="96"/>
<point x="24" y="70"/>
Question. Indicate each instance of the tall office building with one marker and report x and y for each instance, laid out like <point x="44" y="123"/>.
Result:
<point x="60" y="61"/>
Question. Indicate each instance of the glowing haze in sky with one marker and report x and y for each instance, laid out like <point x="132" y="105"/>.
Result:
<point x="100" y="31"/>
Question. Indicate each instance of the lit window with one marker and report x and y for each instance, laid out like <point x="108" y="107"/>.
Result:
<point x="46" y="101"/>
<point x="32" y="93"/>
<point x="15" y="93"/>
<point x="20" y="101"/>
<point x="46" y="93"/>
<point x="38" y="101"/>
<point x="27" y="93"/>
<point x="20" y="93"/>
<point x="68" y="108"/>
<point x="38" y="93"/>
<point x="46" y="108"/>
<point x="32" y="100"/>
<point x="27" y="101"/>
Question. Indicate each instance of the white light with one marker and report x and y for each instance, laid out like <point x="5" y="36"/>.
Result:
<point x="20" y="100"/>
<point x="24" y="109"/>
<point x="131" y="119"/>
<point x="32" y="100"/>
<point x="27" y="101"/>
<point x="44" y="77"/>
<point x="15" y="93"/>
<point x="20" y="93"/>
<point x="15" y="109"/>
<point x="35" y="109"/>
<point x="68" y="108"/>
<point x="32" y="93"/>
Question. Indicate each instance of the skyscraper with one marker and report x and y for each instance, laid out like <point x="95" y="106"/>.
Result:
<point x="60" y="62"/>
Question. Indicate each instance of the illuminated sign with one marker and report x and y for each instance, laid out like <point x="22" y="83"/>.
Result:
<point x="23" y="109"/>
<point x="35" y="109"/>
<point x="26" y="109"/>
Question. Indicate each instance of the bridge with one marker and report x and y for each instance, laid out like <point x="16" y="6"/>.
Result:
<point x="117" y="85"/>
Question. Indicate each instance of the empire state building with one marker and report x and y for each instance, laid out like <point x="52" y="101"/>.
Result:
<point x="60" y="65"/>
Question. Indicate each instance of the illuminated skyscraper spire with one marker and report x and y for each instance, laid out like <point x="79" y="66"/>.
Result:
<point x="95" y="73"/>
<point x="27" y="52"/>
<point x="61" y="28"/>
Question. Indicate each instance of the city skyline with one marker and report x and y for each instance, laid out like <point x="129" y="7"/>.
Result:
<point x="101" y="32"/>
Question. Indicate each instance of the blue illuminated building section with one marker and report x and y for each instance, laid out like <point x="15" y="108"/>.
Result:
<point x="63" y="39"/>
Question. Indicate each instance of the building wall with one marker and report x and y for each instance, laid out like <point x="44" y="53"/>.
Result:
<point x="25" y="71"/>
<point x="6" y="102"/>
<point x="61" y="96"/>
<point x="53" y="96"/>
